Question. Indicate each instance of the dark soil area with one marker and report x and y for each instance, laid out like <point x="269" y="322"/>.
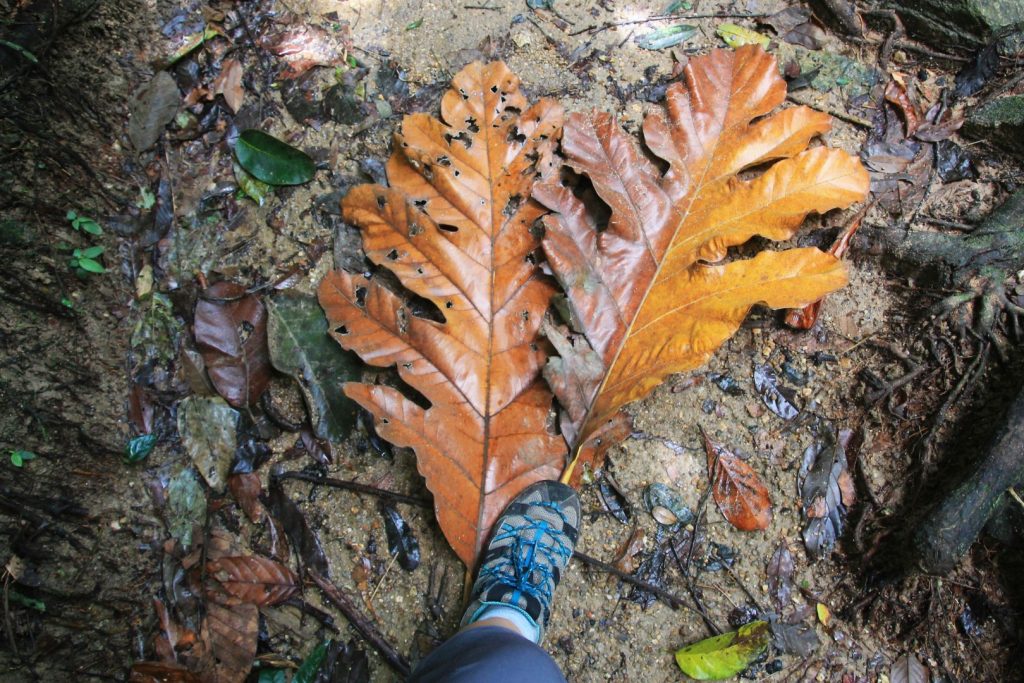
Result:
<point x="108" y="533"/>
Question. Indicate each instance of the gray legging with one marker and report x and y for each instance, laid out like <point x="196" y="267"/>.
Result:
<point x="488" y="654"/>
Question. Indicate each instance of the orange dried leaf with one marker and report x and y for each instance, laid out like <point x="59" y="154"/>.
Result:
<point x="644" y="292"/>
<point x="739" y="492"/>
<point x="454" y="228"/>
<point x="254" y="579"/>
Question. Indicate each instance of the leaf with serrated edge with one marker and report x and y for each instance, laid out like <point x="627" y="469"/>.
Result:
<point x="646" y="292"/>
<point x="454" y="227"/>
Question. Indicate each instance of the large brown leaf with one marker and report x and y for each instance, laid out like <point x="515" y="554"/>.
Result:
<point x="642" y="291"/>
<point x="454" y="227"/>
<point x="739" y="492"/>
<point x="253" y="579"/>
<point x="231" y="334"/>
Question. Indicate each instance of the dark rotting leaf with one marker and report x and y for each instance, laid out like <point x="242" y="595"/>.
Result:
<point x="726" y="383"/>
<point x="972" y="78"/>
<point x="719" y="557"/>
<point x="952" y="162"/>
<point x="652" y="569"/>
<point x="613" y="499"/>
<point x="302" y="538"/>
<point x="743" y="614"/>
<point x="251" y="450"/>
<point x="364" y="420"/>
<point x="401" y="540"/>
<point x="344" y="663"/>
<point x="826" y="490"/>
<point x="780" y="400"/>
<point x="794" y="639"/>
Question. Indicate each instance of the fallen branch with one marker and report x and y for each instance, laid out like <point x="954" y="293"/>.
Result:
<point x="357" y="487"/>
<point x="951" y="528"/>
<point x="364" y="626"/>
<point x="667" y="17"/>
<point x="670" y="599"/>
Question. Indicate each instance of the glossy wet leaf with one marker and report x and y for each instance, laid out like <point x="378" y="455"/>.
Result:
<point x="612" y="499"/>
<point x="401" y="538"/>
<point x="300" y="346"/>
<point x="207" y="427"/>
<point x="726" y="655"/>
<point x="231" y="334"/>
<point x="738" y="491"/>
<point x="779" y="399"/>
<point x="272" y="161"/>
<point x="666" y="37"/>
<point x="646" y="291"/>
<point x="139" y="447"/>
<point x="455" y="229"/>
<point x="826" y="492"/>
<point x="253" y="579"/>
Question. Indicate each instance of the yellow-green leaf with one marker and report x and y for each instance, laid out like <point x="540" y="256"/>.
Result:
<point x="735" y="36"/>
<point x="724" y="656"/>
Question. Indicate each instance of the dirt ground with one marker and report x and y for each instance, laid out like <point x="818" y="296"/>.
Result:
<point x="84" y="521"/>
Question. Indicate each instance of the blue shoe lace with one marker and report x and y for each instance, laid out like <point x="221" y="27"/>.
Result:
<point x="517" y="568"/>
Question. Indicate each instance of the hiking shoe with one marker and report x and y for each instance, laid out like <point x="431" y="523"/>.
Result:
<point x="531" y="544"/>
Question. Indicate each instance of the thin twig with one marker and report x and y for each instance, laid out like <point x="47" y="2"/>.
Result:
<point x="667" y="17"/>
<point x="364" y="626"/>
<point x="670" y="599"/>
<point x="357" y="487"/>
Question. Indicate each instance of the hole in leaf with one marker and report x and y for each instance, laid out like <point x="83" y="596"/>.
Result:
<point x="361" y="296"/>
<point x="531" y="258"/>
<point x="533" y="346"/>
<point x="419" y="271"/>
<point x="381" y="201"/>
<point x="428" y="173"/>
<point x="385" y="421"/>
<point x="464" y="94"/>
<point x="341" y="330"/>
<point x="393" y="254"/>
<point x="420" y="203"/>
<point x="457" y="173"/>
<point x="443" y="160"/>
<point x="494" y="88"/>
<point x="512" y="206"/>
<point x="448" y="228"/>
<point x="515" y="136"/>
<point x="415" y="229"/>
<point x="448" y="304"/>
<point x="424" y="308"/>
<point x="471" y="125"/>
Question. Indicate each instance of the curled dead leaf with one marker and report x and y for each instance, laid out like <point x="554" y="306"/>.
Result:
<point x="739" y="492"/>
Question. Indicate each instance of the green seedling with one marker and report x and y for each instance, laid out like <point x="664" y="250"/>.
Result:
<point x="84" y="224"/>
<point x="85" y="259"/>
<point x="19" y="458"/>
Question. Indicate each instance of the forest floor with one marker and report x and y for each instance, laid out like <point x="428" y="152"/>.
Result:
<point x="93" y="361"/>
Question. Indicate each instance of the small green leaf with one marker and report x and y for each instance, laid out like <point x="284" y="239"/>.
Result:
<point x="19" y="457"/>
<point x="139" y="447"/>
<point x="670" y="36"/>
<point x="91" y="252"/>
<point x="26" y="601"/>
<point x="73" y="263"/>
<point x="71" y="215"/>
<point x="20" y="50"/>
<point x="736" y="36"/>
<point x="272" y="161"/>
<point x="724" y="656"/>
<point x="67" y="302"/>
<point x="254" y="189"/>
<point x="90" y="266"/>
<point x="306" y="673"/>
<point x="146" y="198"/>
<point x="414" y="25"/>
